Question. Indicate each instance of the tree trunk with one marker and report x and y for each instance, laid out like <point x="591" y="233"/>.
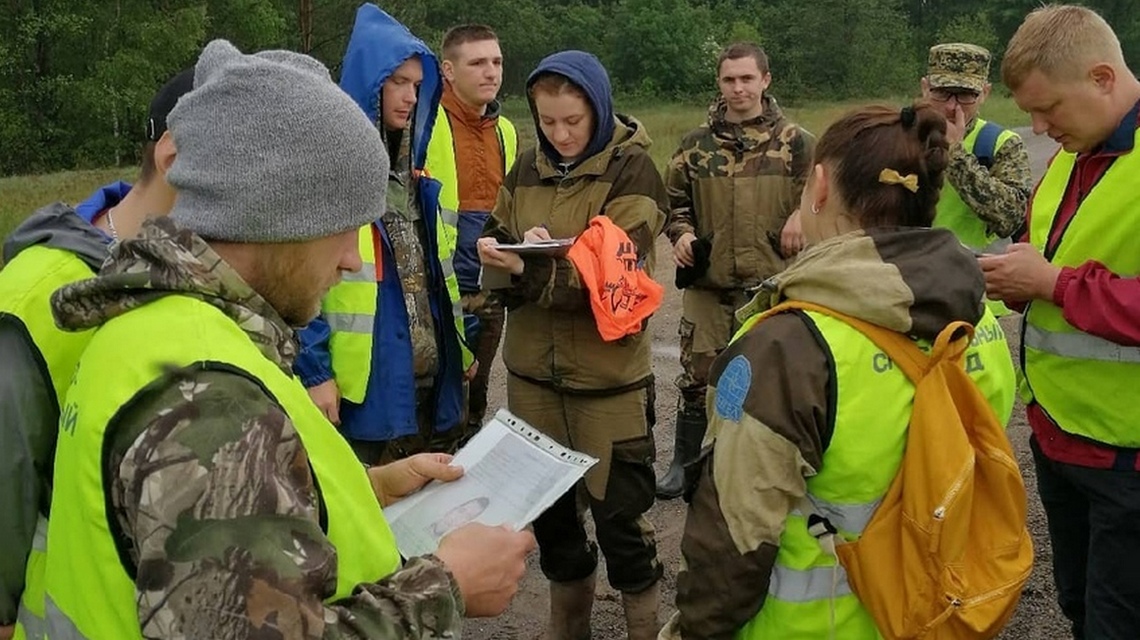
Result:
<point x="305" y="17"/>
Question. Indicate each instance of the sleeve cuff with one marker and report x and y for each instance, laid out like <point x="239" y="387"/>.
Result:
<point x="316" y="378"/>
<point x="455" y="592"/>
<point x="1067" y="275"/>
<point x="675" y="233"/>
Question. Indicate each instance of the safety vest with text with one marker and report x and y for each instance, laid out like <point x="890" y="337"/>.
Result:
<point x="1087" y="384"/>
<point x="89" y="590"/>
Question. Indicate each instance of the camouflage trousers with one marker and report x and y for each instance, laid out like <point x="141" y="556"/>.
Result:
<point x="488" y="308"/>
<point x="626" y="538"/>
<point x="372" y="452"/>
<point x="708" y="322"/>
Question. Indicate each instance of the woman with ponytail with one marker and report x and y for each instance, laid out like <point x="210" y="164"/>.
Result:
<point x="802" y="406"/>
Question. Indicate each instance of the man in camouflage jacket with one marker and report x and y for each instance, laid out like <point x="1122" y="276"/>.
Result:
<point x="733" y="186"/>
<point x="210" y="481"/>
<point x="989" y="176"/>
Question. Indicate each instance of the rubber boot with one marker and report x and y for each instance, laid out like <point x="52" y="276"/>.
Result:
<point x="690" y="431"/>
<point x="641" y="613"/>
<point x="570" y="607"/>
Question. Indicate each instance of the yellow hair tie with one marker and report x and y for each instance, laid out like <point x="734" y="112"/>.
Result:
<point x="890" y="176"/>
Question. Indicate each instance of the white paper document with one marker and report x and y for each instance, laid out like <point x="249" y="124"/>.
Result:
<point x="512" y="473"/>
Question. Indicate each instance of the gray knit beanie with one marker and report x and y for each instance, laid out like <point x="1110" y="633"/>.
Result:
<point x="270" y="149"/>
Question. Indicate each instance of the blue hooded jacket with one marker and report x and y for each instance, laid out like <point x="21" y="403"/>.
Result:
<point x="378" y="46"/>
<point x="104" y="198"/>
<point x="585" y="71"/>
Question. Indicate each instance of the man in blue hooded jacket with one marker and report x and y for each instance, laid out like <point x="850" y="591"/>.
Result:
<point x="386" y="360"/>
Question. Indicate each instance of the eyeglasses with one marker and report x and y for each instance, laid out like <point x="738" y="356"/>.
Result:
<point x="963" y="97"/>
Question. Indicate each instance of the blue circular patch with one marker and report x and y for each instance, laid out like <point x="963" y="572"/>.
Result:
<point x="732" y="388"/>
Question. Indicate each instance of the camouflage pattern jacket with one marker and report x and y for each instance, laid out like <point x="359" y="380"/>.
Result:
<point x="736" y="185"/>
<point x="999" y="195"/>
<point x="259" y="473"/>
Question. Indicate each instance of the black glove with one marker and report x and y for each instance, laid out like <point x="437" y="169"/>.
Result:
<point x="686" y="276"/>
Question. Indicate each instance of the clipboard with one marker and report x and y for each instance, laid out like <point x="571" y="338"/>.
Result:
<point x="542" y="247"/>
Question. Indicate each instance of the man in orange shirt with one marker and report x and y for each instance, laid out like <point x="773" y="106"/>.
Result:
<point x="472" y="148"/>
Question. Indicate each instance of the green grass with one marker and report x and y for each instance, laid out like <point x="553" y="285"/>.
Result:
<point x="24" y="194"/>
<point x="666" y="124"/>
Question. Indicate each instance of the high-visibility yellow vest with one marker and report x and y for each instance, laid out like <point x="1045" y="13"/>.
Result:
<point x="441" y="156"/>
<point x="954" y="214"/>
<point x="350" y="309"/>
<point x="872" y="412"/>
<point x="26" y="285"/>
<point x="89" y="593"/>
<point x="1087" y="384"/>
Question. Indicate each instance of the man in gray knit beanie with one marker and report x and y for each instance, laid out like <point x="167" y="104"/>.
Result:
<point x="243" y="510"/>
<point x="270" y="150"/>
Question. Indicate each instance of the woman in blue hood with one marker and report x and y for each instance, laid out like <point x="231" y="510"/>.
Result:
<point x="592" y="395"/>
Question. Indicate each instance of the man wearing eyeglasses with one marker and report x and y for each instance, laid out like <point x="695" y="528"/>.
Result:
<point x="988" y="181"/>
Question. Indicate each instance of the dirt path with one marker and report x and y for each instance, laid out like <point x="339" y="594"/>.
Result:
<point x="1038" y="616"/>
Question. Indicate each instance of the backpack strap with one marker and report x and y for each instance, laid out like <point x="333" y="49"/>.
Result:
<point x="950" y="344"/>
<point x="985" y="145"/>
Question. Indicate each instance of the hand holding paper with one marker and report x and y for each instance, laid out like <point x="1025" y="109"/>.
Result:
<point x="396" y="480"/>
<point x="491" y="254"/>
<point x="487" y="563"/>
<point x="512" y="473"/>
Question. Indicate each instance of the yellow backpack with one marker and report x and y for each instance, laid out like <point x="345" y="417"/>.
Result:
<point x="947" y="551"/>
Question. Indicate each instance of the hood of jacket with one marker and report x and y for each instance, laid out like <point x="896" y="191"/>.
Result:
<point x="914" y="281"/>
<point x="625" y="132"/>
<point x="585" y="71"/>
<point x="379" y="44"/>
<point x="165" y="260"/>
<point x="58" y="226"/>
<point x="749" y="134"/>
<point x="104" y="198"/>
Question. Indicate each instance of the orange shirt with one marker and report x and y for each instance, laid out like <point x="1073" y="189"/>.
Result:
<point x="478" y="152"/>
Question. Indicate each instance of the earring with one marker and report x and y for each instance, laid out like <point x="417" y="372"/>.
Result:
<point x="814" y="209"/>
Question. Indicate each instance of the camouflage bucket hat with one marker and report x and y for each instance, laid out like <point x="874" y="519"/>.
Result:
<point x="958" y="66"/>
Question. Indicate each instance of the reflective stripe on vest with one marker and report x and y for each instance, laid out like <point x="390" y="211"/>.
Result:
<point x="39" y="539"/>
<point x="351" y="322"/>
<point x="1081" y="346"/>
<point x="1060" y="360"/>
<point x="89" y="593"/>
<point x="350" y="310"/>
<point x="819" y="583"/>
<point x="30" y="616"/>
<point x="873" y="409"/>
<point x="60" y="627"/>
<point x="450" y="217"/>
<point x="29" y="626"/>
<point x="845" y="517"/>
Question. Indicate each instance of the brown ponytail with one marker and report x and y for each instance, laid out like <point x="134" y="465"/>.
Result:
<point x="911" y="141"/>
